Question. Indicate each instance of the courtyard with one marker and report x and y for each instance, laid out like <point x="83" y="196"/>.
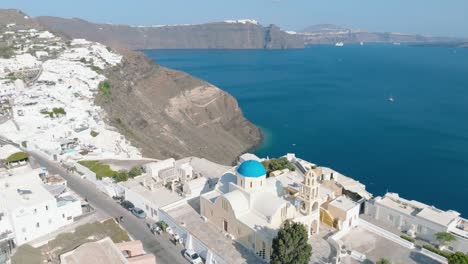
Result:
<point x="375" y="247"/>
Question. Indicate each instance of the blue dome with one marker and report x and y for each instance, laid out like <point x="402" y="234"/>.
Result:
<point x="251" y="169"/>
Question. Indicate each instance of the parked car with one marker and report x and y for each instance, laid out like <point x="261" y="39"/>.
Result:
<point x="138" y="213"/>
<point x="127" y="205"/>
<point x="192" y="256"/>
<point x="156" y="229"/>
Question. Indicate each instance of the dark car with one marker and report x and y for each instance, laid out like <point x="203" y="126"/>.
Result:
<point x="127" y="205"/>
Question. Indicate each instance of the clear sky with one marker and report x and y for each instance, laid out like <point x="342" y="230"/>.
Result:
<point x="431" y="17"/>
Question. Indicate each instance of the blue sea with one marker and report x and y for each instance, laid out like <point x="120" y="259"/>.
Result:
<point x="329" y="105"/>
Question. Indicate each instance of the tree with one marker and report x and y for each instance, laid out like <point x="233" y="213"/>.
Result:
<point x="383" y="261"/>
<point x="444" y="238"/>
<point x="290" y="245"/>
<point x="278" y="164"/>
<point x="135" y="171"/>
<point x="458" y="258"/>
<point x="121" y="176"/>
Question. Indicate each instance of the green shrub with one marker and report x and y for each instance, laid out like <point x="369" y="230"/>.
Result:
<point x="278" y="164"/>
<point x="104" y="170"/>
<point x="96" y="69"/>
<point x="18" y="156"/>
<point x="383" y="261"/>
<point x="408" y="238"/>
<point x="101" y="170"/>
<point x="163" y="225"/>
<point x="104" y="89"/>
<point x="437" y="251"/>
<point x="6" y="52"/>
<point x="11" y="76"/>
<point x="59" y="111"/>
<point x="135" y="171"/>
<point x="94" y="133"/>
<point x="458" y="258"/>
<point x="121" y="176"/>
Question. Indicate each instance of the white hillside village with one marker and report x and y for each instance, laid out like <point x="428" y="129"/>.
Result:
<point x="49" y="98"/>
<point x="62" y="165"/>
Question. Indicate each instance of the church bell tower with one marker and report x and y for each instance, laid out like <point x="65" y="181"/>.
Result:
<point x="308" y="193"/>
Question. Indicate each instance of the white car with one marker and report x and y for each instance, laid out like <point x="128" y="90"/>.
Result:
<point x="169" y="230"/>
<point x="192" y="256"/>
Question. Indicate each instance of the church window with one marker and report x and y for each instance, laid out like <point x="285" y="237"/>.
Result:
<point x="261" y="253"/>
<point x="284" y="212"/>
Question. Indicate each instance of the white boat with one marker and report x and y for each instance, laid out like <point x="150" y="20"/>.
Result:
<point x="361" y="43"/>
<point x="391" y="99"/>
<point x="396" y="43"/>
<point x="339" y="44"/>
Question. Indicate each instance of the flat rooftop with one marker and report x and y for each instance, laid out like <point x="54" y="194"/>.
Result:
<point x="343" y="203"/>
<point x="23" y="188"/>
<point x="414" y="208"/>
<point x="229" y="250"/>
<point x="160" y="196"/>
<point x="100" y="252"/>
<point x="205" y="167"/>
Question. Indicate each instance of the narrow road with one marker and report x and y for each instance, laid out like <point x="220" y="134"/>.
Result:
<point x="164" y="250"/>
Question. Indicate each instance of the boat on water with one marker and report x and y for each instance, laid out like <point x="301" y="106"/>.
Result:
<point x="396" y="43"/>
<point x="361" y="43"/>
<point x="391" y="99"/>
<point x="339" y="44"/>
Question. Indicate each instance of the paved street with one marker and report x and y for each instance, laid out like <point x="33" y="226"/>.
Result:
<point x="164" y="250"/>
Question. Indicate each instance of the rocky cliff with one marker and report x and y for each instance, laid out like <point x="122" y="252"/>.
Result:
<point x="222" y="35"/>
<point x="169" y="113"/>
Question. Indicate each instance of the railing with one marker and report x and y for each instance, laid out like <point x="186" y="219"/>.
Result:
<point x="433" y="255"/>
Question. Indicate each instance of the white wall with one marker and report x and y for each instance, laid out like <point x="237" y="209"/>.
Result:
<point x="35" y="221"/>
<point x="139" y="201"/>
<point x="424" y="229"/>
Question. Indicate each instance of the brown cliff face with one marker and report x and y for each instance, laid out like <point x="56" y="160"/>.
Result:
<point x="169" y="113"/>
<point x="218" y="35"/>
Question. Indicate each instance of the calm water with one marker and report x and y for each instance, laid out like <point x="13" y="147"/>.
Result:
<point x="330" y="105"/>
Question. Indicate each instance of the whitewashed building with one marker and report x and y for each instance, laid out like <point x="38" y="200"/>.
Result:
<point x="346" y="211"/>
<point x="165" y="182"/>
<point x="419" y="220"/>
<point x="28" y="210"/>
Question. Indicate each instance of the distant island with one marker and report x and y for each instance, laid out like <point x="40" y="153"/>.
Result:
<point x="331" y="34"/>
<point x="229" y="34"/>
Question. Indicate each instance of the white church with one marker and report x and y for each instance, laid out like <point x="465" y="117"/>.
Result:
<point x="251" y="207"/>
